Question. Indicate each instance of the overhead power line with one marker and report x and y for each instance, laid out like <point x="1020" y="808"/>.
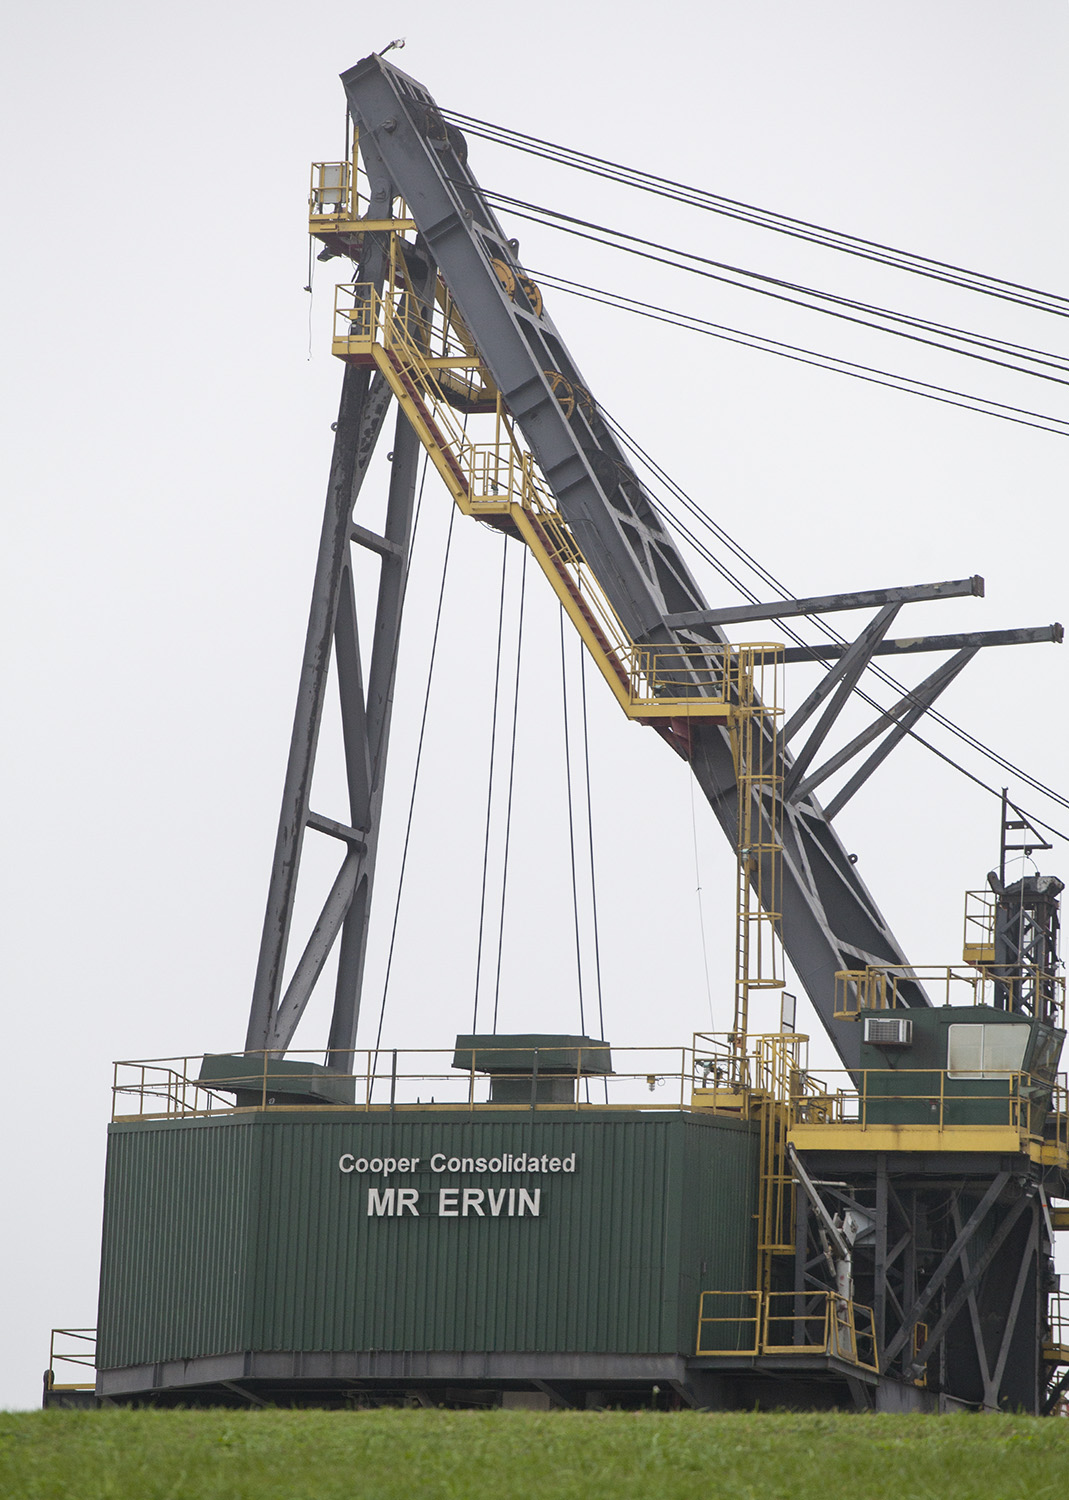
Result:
<point x="732" y="208"/>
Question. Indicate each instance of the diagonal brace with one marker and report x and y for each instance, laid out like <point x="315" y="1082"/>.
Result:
<point x="943" y="1270"/>
<point x="319" y="944"/>
<point x="954" y="1306"/>
<point x="843" y="678"/>
<point x="912" y="707"/>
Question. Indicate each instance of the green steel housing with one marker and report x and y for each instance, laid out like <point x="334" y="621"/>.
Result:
<point x="418" y="1246"/>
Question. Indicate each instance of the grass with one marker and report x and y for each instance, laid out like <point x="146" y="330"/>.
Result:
<point x="432" y="1455"/>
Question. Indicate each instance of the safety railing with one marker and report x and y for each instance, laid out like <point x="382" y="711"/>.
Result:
<point x="340" y="197"/>
<point x="978" y="937"/>
<point x="500" y="478"/>
<point x="1033" y="1107"/>
<point x="786" y="1323"/>
<point x="891" y="987"/>
<point x="75" y="1350"/>
<point x="1056" y="1336"/>
<point x="708" y="1075"/>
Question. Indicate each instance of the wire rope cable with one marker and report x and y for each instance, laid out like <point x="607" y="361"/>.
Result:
<point x="571" y="822"/>
<point x="590" y="846"/>
<point x="804" y="229"/>
<point x="704" y="519"/>
<point x="490" y="783"/>
<point x="780" y="290"/>
<point x="908" y="384"/>
<point x="415" y="775"/>
<point x="511" y="787"/>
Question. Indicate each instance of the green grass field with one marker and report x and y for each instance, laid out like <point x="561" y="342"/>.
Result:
<point x="423" y="1455"/>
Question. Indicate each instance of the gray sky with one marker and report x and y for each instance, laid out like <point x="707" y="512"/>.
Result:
<point x="166" y="445"/>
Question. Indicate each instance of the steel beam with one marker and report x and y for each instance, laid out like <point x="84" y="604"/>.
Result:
<point x="842" y="678"/>
<point x="830" y="921"/>
<point x="894" y="728"/>
<point x="943" y="1270"/>
<point x="821" y="604"/>
<point x="954" y="1306"/>
<point x="910" y="645"/>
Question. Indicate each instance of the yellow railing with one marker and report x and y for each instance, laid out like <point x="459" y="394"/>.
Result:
<point x="708" y="1075"/>
<point x="888" y="987"/>
<point x="1056" y="1339"/>
<point x="71" y="1346"/>
<point x="786" y="1323"/>
<point x="499" y="478"/>
<point x="978" y="938"/>
<point x="874" y="1097"/>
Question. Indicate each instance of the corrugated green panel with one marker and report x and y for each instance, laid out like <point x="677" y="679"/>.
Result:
<point x="175" y="1242"/>
<point x="719" y="1251"/>
<point x="612" y="1262"/>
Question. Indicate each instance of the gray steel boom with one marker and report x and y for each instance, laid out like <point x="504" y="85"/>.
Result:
<point x="830" y="921"/>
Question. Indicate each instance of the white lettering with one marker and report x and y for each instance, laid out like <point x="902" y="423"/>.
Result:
<point x="375" y="1164"/>
<point x="437" y="1162"/>
<point x="480" y="1164"/>
<point x="345" y="1157"/>
<point x="454" y="1164"/>
<point x="361" y="1165"/>
<point x="380" y="1202"/>
<point x="533" y="1201"/>
<point x="568" y="1163"/>
<point x="473" y="1202"/>
<point x="495" y="1200"/>
<point x="407" y="1199"/>
<point x="554" y="1163"/>
<point x="447" y="1203"/>
<point x="494" y="1164"/>
<point x="389" y="1164"/>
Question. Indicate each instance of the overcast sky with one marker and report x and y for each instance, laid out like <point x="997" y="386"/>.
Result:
<point x="168" y="395"/>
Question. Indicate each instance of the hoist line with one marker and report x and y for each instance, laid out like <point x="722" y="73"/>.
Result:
<point x="768" y="578"/>
<point x="590" y="844"/>
<point x="415" y="772"/>
<point x="512" y="783"/>
<point x="804" y="229"/>
<point x="908" y="384"/>
<point x="698" y="890"/>
<point x="490" y="783"/>
<point x="571" y="823"/>
<point x="713" y="270"/>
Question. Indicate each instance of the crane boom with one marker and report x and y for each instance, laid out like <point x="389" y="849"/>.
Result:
<point x="443" y="316"/>
<point x="830" y="922"/>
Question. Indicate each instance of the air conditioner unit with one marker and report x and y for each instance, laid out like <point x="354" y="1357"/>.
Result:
<point x="888" y="1031"/>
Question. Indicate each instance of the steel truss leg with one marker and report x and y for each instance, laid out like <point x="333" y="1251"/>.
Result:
<point x="332" y="628"/>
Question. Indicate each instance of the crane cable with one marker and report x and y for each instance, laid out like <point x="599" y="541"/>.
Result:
<point x="832" y="634"/>
<point x="512" y="782"/>
<point x="490" y="784"/>
<point x="872" y="375"/>
<point x="780" y="289"/>
<point x="571" y="821"/>
<point x="416" y="769"/>
<point x="804" y="229"/>
<point x="590" y="844"/>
